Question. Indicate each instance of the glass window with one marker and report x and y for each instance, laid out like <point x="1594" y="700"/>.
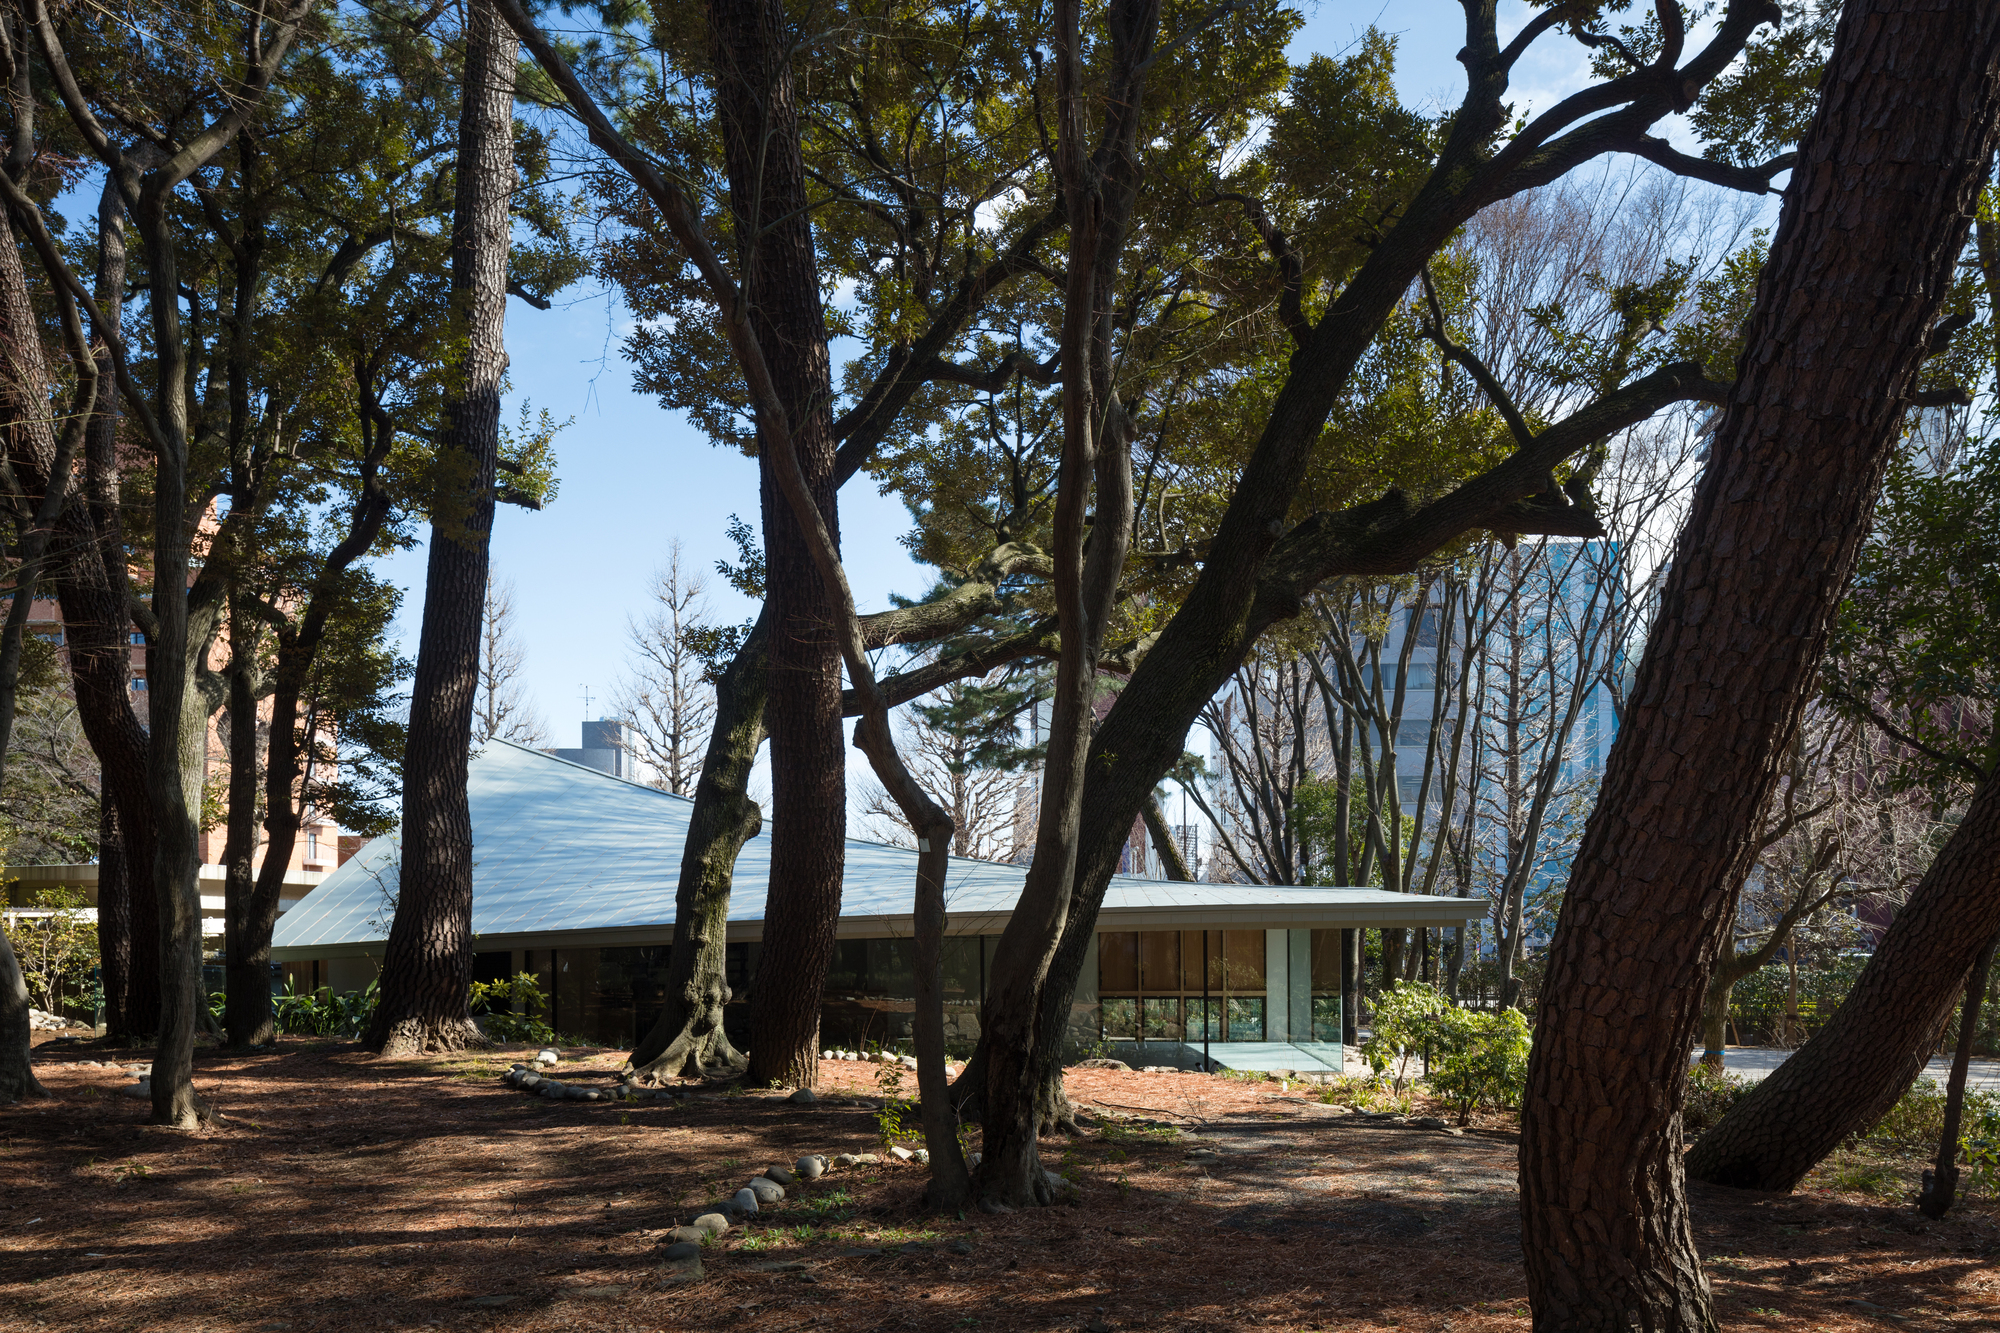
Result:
<point x="1326" y="1018"/>
<point x="1120" y="1019"/>
<point x="1246" y="1018"/>
<point x="1160" y="1018"/>
<point x="1118" y="961"/>
<point x="1159" y="960"/>
<point x="1243" y="962"/>
<point x="961" y="966"/>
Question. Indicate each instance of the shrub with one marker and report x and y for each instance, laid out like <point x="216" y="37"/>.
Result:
<point x="1409" y="1021"/>
<point x="1485" y="1061"/>
<point x="1710" y="1094"/>
<point x="56" y="947"/>
<point x="321" y="1013"/>
<point x="508" y="1009"/>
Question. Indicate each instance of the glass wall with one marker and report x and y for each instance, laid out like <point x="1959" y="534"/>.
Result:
<point x="1326" y="986"/>
<point x="1150" y="985"/>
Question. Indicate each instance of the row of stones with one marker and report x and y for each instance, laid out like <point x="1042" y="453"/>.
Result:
<point x="531" y="1080"/>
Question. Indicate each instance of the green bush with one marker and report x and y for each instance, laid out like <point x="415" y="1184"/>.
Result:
<point x="1476" y="1059"/>
<point x="321" y="1013"/>
<point x="1485" y="1060"/>
<point x="507" y="1009"/>
<point x="1710" y="1094"/>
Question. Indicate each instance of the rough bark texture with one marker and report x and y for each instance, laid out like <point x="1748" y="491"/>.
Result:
<point x="427" y="964"/>
<point x="1877" y="1042"/>
<point x="767" y="192"/>
<point x="1872" y="225"/>
<point x="89" y="577"/>
<point x="17" y="1072"/>
<point x="688" y="1038"/>
<point x="248" y="987"/>
<point x="1941" y="1181"/>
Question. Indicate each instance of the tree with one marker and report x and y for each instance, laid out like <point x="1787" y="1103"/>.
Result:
<point x="499" y="707"/>
<point x="667" y="702"/>
<point x="1859" y="267"/>
<point x="427" y="963"/>
<point x="963" y="742"/>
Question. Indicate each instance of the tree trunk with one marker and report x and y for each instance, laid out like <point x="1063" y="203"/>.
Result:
<point x="89" y="576"/>
<point x="1872" y="1049"/>
<point x="1941" y="1181"/>
<point x="1871" y="229"/>
<point x="1715" y="1018"/>
<point x="17" y="1071"/>
<point x="114" y="915"/>
<point x="247" y="987"/>
<point x="767" y="191"/>
<point x="1172" y="859"/>
<point x="1350" y="987"/>
<point x="427" y="964"/>
<point x="688" y="1037"/>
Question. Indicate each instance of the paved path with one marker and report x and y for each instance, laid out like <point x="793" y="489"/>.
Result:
<point x="1754" y="1062"/>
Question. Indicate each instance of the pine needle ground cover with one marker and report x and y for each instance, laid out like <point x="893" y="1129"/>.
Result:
<point x="345" y="1193"/>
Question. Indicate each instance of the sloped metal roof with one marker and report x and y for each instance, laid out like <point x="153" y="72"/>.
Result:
<point x="566" y="855"/>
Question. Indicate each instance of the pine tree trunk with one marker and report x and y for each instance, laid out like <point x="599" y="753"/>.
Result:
<point x="427" y="964"/>
<point x="688" y="1038"/>
<point x="1941" y="1181"/>
<point x="248" y="980"/>
<point x="89" y="577"/>
<point x="1870" y="232"/>
<point x="1715" y="1018"/>
<point x="767" y="191"/>
<point x="17" y="1072"/>
<point x="1872" y="1049"/>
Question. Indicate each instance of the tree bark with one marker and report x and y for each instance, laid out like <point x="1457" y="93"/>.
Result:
<point x="17" y="1071"/>
<point x="427" y="963"/>
<point x="688" y="1037"/>
<point x="780" y="284"/>
<point x="1872" y="226"/>
<point x="247" y="986"/>
<point x="1941" y="1181"/>
<point x="1878" y="1041"/>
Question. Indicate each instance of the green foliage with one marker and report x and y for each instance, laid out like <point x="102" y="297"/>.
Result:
<point x="322" y="1013"/>
<point x="1916" y="1122"/>
<point x="1710" y="1094"/>
<point x="56" y="947"/>
<point x="1979" y="1148"/>
<point x="1916" y="649"/>
<point x="510" y="1010"/>
<point x="894" y="1122"/>
<point x="1484" y="1061"/>
<point x="1408" y="1020"/>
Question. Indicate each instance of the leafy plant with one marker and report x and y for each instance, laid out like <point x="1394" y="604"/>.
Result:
<point x="1410" y="1021"/>
<point x="56" y="946"/>
<point x="1710" y="1094"/>
<point x="508" y="1009"/>
<point x="1485" y="1060"/>
<point x="321" y="1013"/>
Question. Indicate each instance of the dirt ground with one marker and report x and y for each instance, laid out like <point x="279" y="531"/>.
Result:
<point x="342" y="1192"/>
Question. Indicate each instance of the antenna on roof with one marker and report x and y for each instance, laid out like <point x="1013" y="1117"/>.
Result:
<point x="586" y="701"/>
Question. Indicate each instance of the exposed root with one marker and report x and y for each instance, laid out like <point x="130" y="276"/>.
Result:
<point x="419" y="1036"/>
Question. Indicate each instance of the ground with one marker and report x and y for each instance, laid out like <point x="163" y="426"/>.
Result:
<point x="342" y="1192"/>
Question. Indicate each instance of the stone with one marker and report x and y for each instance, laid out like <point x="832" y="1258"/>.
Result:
<point x="826" y="1055"/>
<point x="1429" y="1122"/>
<point x="745" y="1201"/>
<point x="900" y="1153"/>
<point x="552" y="1090"/>
<point x="809" y="1168"/>
<point x="973" y="1160"/>
<point x="913" y="1247"/>
<point x="680" y="1234"/>
<point x="713" y="1224"/>
<point x="847" y="1159"/>
<point x="681" y="1272"/>
<point x="866" y="1159"/>
<point x="548" y="1055"/>
<point x="1280" y="1075"/>
<point x="1105" y="1064"/>
<point x="138" y="1091"/>
<point x="908" y="1062"/>
<point x="960" y="1247"/>
<point x="683" y="1249"/>
<point x="529" y="1079"/>
<point x="803" y="1097"/>
<point x="885" y="1057"/>
<point x="1204" y="1157"/>
<point x="766" y="1190"/>
<point x="781" y="1175"/>
<point x="1454" y="1131"/>
<point x="922" y="1157"/>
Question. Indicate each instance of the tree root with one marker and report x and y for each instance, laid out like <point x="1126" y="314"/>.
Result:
<point x="419" y="1036"/>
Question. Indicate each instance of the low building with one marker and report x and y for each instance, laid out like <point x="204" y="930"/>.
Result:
<point x="574" y="878"/>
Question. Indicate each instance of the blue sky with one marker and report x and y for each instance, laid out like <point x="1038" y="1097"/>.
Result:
<point x="635" y="477"/>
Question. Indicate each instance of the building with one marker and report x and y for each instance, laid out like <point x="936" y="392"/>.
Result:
<point x="574" y="878"/>
<point x="606" y="748"/>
